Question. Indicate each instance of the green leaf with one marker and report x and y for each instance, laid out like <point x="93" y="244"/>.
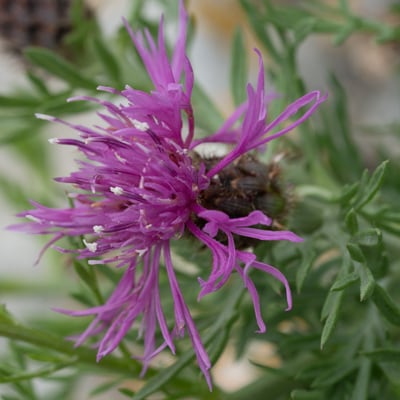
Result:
<point x="335" y="374"/>
<point x="239" y="69"/>
<point x="343" y="34"/>
<point x="335" y="301"/>
<point x="206" y="113"/>
<point x="156" y="382"/>
<point x="369" y="238"/>
<point x="108" y="60"/>
<point x="127" y="392"/>
<point x="360" y="391"/>
<point x="372" y="187"/>
<point x="383" y="355"/>
<point x="303" y="29"/>
<point x="351" y="221"/>
<point x="345" y="281"/>
<point x="45" y="356"/>
<point x="88" y="275"/>
<point x="26" y="101"/>
<point x="306" y="264"/>
<point x="347" y="193"/>
<point x="104" y="387"/>
<point x="258" y="24"/>
<point x="355" y="252"/>
<point x="5" y="316"/>
<point x="42" y="372"/>
<point x="38" y="83"/>
<point x="53" y="342"/>
<point x="386" y="305"/>
<point x="59" y="67"/>
<point x="342" y="152"/>
<point x="300" y="394"/>
<point x="367" y="283"/>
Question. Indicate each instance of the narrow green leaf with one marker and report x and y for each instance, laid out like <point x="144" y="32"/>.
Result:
<point x="87" y="274"/>
<point x="326" y="308"/>
<point x="391" y="371"/>
<point x="42" y="372"/>
<point x="386" y="305"/>
<point x="83" y="298"/>
<point x="355" y="252"/>
<point x="258" y="24"/>
<point x="345" y="281"/>
<point x="156" y="382"/>
<point x="344" y="33"/>
<point x="18" y="101"/>
<point x="83" y="273"/>
<point x="361" y="386"/>
<point x="335" y="374"/>
<point x="383" y="355"/>
<point x="393" y="228"/>
<point x="351" y="221"/>
<point x="108" y="60"/>
<point x="53" y="342"/>
<point x="303" y="29"/>
<point x="206" y="113"/>
<point x="38" y="83"/>
<point x="308" y="260"/>
<point x="104" y="387"/>
<point x="127" y="392"/>
<point x="239" y="69"/>
<point x="300" y="394"/>
<point x="369" y="238"/>
<point x="348" y="192"/>
<point x="372" y="187"/>
<point x="330" y="323"/>
<point x="5" y="316"/>
<point x="59" y="67"/>
<point x="45" y="356"/>
<point x="367" y="283"/>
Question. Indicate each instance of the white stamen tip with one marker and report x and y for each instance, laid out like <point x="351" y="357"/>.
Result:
<point x="90" y="246"/>
<point x="140" y="252"/>
<point x="140" y="126"/>
<point x="279" y="157"/>
<point x="98" y="228"/>
<point x="44" y="117"/>
<point x="117" y="190"/>
<point x="33" y="218"/>
<point x="119" y="158"/>
<point x="54" y="140"/>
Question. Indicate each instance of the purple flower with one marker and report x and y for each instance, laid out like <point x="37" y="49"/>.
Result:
<point x="140" y="188"/>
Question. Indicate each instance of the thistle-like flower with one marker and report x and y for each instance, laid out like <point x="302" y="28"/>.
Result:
<point x="142" y="185"/>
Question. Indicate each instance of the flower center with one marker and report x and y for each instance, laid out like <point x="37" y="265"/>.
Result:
<point x="242" y="187"/>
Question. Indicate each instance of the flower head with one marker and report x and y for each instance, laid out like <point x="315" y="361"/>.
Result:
<point x="142" y="185"/>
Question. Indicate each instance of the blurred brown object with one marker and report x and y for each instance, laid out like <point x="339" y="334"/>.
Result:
<point x="34" y="23"/>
